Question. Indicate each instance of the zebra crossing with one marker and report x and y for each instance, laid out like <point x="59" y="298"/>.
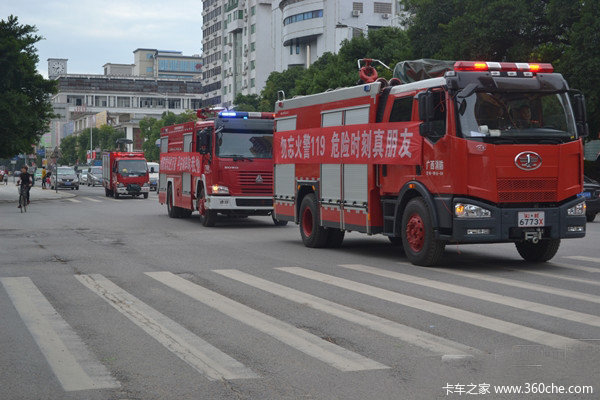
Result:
<point x="76" y="366"/>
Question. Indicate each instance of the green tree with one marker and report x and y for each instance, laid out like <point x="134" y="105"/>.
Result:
<point x="68" y="150"/>
<point x="25" y="108"/>
<point x="150" y="130"/>
<point x="284" y="81"/>
<point x="249" y="102"/>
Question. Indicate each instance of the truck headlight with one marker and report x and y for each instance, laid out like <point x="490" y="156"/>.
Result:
<point x="219" y="189"/>
<point x="463" y="210"/>
<point x="578" y="209"/>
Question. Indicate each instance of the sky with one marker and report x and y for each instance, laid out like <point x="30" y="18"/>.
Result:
<point x="91" y="33"/>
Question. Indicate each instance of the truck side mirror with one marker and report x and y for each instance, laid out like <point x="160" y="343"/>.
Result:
<point x="204" y="141"/>
<point x="580" y="114"/>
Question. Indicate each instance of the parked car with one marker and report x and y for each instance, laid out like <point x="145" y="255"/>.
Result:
<point x="38" y="174"/>
<point x="153" y="172"/>
<point x="94" y="176"/>
<point x="65" y="178"/>
<point x="591" y="192"/>
<point x="82" y="172"/>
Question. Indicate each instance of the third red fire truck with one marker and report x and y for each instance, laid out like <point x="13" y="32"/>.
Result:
<point x="484" y="152"/>
<point x="221" y="165"/>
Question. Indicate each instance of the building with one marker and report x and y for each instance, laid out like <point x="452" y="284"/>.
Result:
<point x="245" y="40"/>
<point x="125" y="99"/>
<point x="166" y="64"/>
<point x="306" y="29"/>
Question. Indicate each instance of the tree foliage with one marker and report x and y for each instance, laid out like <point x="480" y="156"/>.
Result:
<point x="249" y="102"/>
<point x="150" y="130"/>
<point x="74" y="148"/>
<point x="25" y="109"/>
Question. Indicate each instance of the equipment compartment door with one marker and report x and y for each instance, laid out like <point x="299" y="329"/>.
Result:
<point x="355" y="201"/>
<point x="331" y="195"/>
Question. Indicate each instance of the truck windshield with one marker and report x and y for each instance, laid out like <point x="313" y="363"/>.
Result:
<point x="512" y="118"/>
<point x="245" y="144"/>
<point x="132" y="167"/>
<point x="65" y="171"/>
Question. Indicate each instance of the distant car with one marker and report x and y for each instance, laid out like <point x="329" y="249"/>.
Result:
<point x="94" y="176"/>
<point x="591" y="193"/>
<point x="65" y="178"/>
<point x="153" y="172"/>
<point x="38" y="175"/>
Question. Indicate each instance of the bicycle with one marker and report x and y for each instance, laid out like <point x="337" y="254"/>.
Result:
<point x="23" y="198"/>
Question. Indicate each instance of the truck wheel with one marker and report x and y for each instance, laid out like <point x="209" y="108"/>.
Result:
<point x="172" y="211"/>
<point x="542" y="251"/>
<point x="396" y="241"/>
<point x="278" y="222"/>
<point x="335" y="237"/>
<point x="590" y="217"/>
<point x="418" y="239"/>
<point x="313" y="235"/>
<point x="145" y="195"/>
<point x="115" y="194"/>
<point x="209" y="217"/>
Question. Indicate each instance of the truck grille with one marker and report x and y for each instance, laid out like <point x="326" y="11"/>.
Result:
<point x="526" y="190"/>
<point x="248" y="184"/>
<point x="254" y="202"/>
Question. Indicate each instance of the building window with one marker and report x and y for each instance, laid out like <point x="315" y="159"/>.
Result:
<point x="252" y="46"/>
<point x="252" y="64"/>
<point x="291" y="49"/>
<point x="240" y="14"/>
<point x="382" y="8"/>
<point x="303" y="16"/>
<point x="357" y="6"/>
<point x="252" y="28"/>
<point x="297" y="46"/>
<point x="149" y="69"/>
<point x="252" y="10"/>
<point x="149" y="56"/>
<point x="251" y="82"/>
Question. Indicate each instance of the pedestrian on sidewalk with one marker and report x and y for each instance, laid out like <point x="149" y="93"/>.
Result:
<point x="44" y="177"/>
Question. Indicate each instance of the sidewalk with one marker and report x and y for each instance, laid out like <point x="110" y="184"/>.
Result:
<point x="10" y="193"/>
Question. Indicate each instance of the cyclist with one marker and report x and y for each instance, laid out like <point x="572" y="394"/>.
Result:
<point x="25" y="181"/>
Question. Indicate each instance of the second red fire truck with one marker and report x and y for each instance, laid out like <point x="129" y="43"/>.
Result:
<point x="221" y="165"/>
<point x="487" y="152"/>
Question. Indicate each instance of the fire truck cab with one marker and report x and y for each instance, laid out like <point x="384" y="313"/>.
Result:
<point x="485" y="152"/>
<point x="221" y="165"/>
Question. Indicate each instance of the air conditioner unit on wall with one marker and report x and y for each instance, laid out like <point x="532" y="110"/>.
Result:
<point x="355" y="13"/>
<point x="385" y="16"/>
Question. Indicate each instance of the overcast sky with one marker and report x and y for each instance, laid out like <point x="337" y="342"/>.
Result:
<point x="91" y="33"/>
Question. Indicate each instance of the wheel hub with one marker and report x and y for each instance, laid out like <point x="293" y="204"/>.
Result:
<point x="307" y="222"/>
<point x="415" y="232"/>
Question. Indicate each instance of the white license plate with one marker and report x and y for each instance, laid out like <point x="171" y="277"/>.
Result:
<point x="531" y="218"/>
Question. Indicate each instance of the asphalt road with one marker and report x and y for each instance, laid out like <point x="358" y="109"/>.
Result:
<point x="111" y="299"/>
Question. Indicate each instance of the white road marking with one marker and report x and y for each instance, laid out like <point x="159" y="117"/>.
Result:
<point x="524" y="285"/>
<point x="407" y="334"/>
<point x="74" y="200"/>
<point x="505" y="327"/>
<point x="312" y="345"/>
<point x="583" y="258"/>
<point x="115" y="200"/>
<point x="197" y="353"/>
<point x="577" y="267"/>
<point x="72" y="363"/>
<point x="564" y="278"/>
<point x="539" y="308"/>
<point x="94" y="200"/>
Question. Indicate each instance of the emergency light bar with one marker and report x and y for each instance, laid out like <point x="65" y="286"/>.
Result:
<point x="503" y="66"/>
<point x="246" y="115"/>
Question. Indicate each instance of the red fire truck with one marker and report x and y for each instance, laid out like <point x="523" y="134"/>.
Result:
<point x="221" y="165"/>
<point x="486" y="152"/>
<point x="125" y="173"/>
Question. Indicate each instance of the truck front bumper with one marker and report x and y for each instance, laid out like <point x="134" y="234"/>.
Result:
<point x="239" y="203"/>
<point x="502" y="225"/>
<point x="133" y="189"/>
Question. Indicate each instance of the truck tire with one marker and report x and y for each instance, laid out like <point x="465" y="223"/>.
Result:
<point x="145" y="195"/>
<point x="396" y="241"/>
<point x="542" y="251"/>
<point x="115" y="194"/>
<point x="172" y="211"/>
<point x="418" y="238"/>
<point x="207" y="216"/>
<point x="335" y="237"/>
<point x="313" y="235"/>
<point x="590" y="217"/>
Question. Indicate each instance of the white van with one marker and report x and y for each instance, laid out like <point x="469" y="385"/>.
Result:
<point x="153" y="172"/>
